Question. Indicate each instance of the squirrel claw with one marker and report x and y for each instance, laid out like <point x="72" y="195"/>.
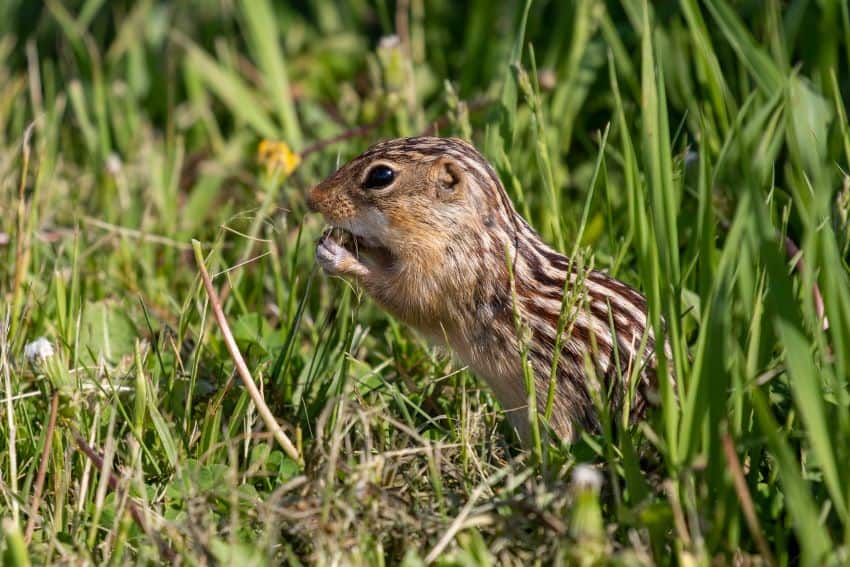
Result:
<point x="336" y="260"/>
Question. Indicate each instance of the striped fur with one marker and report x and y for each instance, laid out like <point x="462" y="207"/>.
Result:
<point x="437" y="249"/>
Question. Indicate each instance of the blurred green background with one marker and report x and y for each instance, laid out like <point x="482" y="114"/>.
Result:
<point x="695" y="149"/>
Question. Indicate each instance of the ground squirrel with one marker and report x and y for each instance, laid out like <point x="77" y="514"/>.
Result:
<point x="428" y="231"/>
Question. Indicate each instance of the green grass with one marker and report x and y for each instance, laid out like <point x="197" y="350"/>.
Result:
<point x="677" y="146"/>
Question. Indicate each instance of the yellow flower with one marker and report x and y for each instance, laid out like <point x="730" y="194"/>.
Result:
<point x="277" y="156"/>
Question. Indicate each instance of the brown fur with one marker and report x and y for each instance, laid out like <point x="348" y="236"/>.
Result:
<point x="432" y="248"/>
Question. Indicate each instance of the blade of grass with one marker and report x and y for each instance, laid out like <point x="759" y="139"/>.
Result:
<point x="240" y="99"/>
<point x="766" y="73"/>
<point x="239" y="362"/>
<point x="664" y="272"/>
<point x="260" y="20"/>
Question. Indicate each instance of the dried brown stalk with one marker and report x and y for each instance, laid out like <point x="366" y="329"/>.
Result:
<point x="135" y="511"/>
<point x="42" y="468"/>
<point x="745" y="499"/>
<point x="239" y="362"/>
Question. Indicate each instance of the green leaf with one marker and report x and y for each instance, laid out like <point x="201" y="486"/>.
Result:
<point x="809" y="395"/>
<point x="232" y="90"/>
<point x="803" y="511"/>
<point x="766" y="73"/>
<point x="510" y="91"/>
<point x="105" y="332"/>
<point x="262" y="33"/>
<point x="164" y="433"/>
<point x="809" y="117"/>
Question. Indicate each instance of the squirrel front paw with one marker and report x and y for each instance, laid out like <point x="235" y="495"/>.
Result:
<point x="336" y="260"/>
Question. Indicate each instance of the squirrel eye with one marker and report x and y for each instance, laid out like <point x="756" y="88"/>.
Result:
<point x="379" y="176"/>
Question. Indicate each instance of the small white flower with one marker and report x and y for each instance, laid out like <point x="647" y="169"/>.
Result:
<point x="361" y="489"/>
<point x="389" y="41"/>
<point x="38" y="350"/>
<point x="114" y="164"/>
<point x="586" y="477"/>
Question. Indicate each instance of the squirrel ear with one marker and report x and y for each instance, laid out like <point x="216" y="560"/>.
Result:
<point x="449" y="177"/>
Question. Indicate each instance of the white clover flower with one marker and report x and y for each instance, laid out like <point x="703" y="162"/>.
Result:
<point x="38" y="350"/>
<point x="389" y="41"/>
<point x="114" y="164"/>
<point x="586" y="477"/>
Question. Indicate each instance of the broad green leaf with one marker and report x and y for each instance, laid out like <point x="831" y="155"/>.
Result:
<point x="105" y="332"/>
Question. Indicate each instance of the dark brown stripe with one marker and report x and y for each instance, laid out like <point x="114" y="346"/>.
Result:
<point x="617" y="311"/>
<point x="619" y="288"/>
<point x="557" y="260"/>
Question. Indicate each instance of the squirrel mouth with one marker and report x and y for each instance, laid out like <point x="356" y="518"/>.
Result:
<point x="365" y="251"/>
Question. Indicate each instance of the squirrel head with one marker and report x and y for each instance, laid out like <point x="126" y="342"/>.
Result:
<point x="413" y="196"/>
